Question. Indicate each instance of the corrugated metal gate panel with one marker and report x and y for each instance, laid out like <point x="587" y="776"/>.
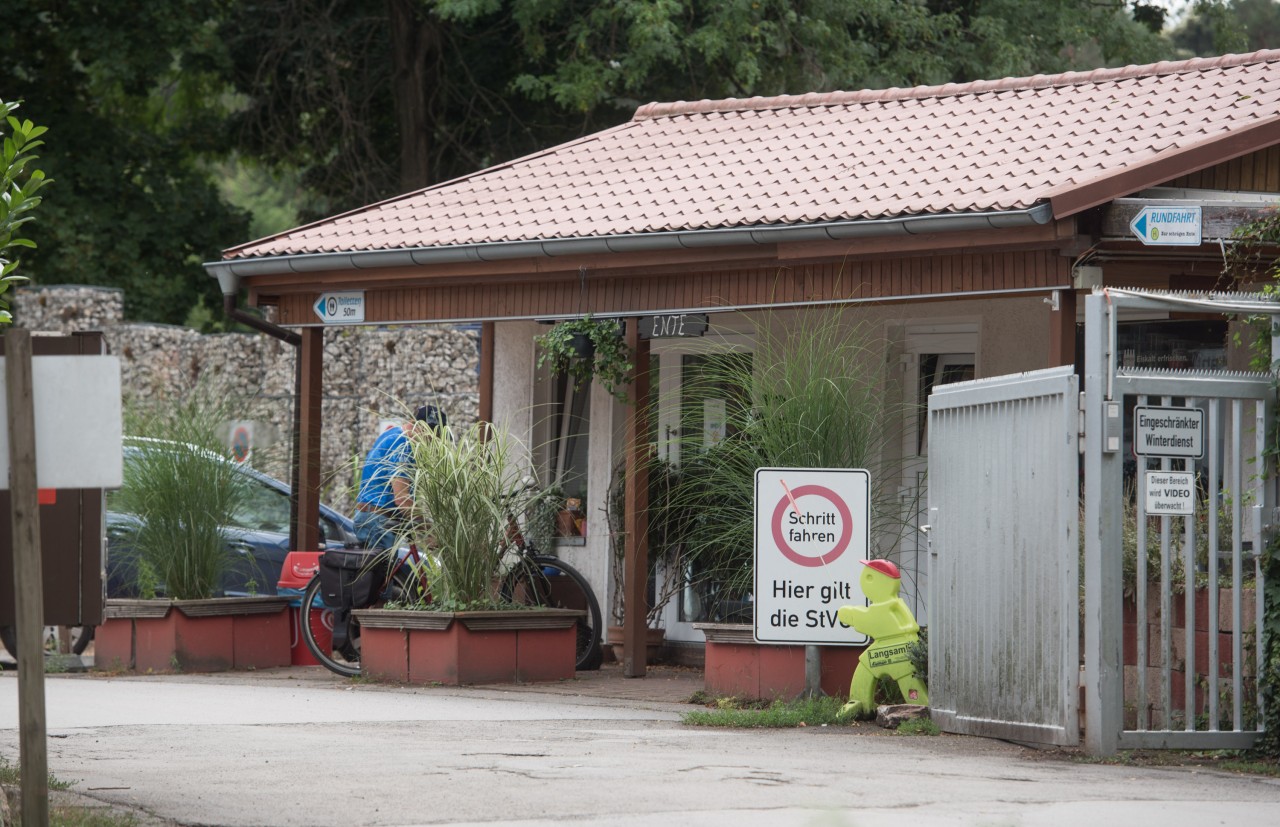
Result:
<point x="1003" y="510"/>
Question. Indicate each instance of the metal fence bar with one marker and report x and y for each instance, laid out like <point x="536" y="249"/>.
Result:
<point x="1143" y="628"/>
<point x="1189" y="605"/>
<point x="1264" y="502"/>
<point x="1166" y="609"/>
<point x="1215" y="478"/>
<point x="1237" y="544"/>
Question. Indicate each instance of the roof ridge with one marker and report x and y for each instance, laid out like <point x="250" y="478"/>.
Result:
<point x="650" y="111"/>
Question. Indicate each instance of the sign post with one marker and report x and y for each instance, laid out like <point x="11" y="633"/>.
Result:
<point x="28" y="591"/>
<point x="48" y="443"/>
<point x="812" y="526"/>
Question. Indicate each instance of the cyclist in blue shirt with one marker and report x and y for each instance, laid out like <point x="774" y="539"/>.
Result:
<point x="385" y="496"/>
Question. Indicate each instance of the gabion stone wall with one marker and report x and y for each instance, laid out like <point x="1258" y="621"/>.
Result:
<point x="370" y="374"/>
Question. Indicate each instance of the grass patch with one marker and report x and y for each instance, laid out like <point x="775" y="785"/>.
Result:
<point x="918" y="726"/>
<point x="738" y="714"/>
<point x="10" y="776"/>
<point x="86" y="817"/>
<point x="59" y="816"/>
<point x="1270" y="768"/>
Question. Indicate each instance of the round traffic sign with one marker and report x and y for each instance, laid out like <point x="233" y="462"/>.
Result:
<point x="816" y="548"/>
<point x="241" y="443"/>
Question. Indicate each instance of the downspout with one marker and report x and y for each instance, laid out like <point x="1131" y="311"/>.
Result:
<point x="230" y="284"/>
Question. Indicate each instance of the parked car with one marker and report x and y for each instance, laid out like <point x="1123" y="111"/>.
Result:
<point x="257" y="537"/>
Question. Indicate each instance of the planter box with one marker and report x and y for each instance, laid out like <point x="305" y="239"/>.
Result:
<point x="736" y="665"/>
<point x="193" y="635"/>
<point x="456" y="648"/>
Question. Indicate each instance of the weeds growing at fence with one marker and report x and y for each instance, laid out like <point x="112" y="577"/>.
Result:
<point x="738" y="714"/>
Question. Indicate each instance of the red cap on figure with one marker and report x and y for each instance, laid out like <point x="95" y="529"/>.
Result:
<point x="884" y="567"/>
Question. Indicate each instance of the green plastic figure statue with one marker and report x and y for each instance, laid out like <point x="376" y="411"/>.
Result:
<point x="892" y="628"/>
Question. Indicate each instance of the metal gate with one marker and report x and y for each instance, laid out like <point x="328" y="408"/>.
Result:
<point x="1004" y="557"/>
<point x="1174" y="533"/>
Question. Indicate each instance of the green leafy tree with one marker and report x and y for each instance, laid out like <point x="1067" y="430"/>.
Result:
<point x="371" y="100"/>
<point x="133" y="90"/>
<point x="18" y="198"/>
<point x="166" y="112"/>
<point x="1216" y="27"/>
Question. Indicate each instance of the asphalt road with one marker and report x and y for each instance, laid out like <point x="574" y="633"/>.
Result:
<point x="302" y="747"/>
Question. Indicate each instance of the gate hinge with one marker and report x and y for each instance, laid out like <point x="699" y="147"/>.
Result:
<point x="1080" y="424"/>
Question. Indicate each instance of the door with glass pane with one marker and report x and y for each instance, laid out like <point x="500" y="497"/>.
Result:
<point x="925" y="368"/>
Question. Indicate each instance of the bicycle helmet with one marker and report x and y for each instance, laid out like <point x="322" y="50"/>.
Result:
<point x="433" y="416"/>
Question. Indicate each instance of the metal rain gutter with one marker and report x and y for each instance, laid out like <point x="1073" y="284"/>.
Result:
<point x="635" y="242"/>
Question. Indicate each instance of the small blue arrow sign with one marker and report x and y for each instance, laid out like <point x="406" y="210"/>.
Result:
<point x="341" y="308"/>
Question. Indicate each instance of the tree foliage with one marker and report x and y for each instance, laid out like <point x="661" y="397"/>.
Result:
<point x="18" y="188"/>
<point x="131" y="90"/>
<point x="153" y="102"/>
<point x="375" y="100"/>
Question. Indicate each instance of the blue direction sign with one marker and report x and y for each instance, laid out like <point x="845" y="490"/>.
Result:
<point x="1167" y="226"/>
<point x="341" y="308"/>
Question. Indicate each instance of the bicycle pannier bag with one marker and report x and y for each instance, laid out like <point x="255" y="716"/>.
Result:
<point x="351" y="578"/>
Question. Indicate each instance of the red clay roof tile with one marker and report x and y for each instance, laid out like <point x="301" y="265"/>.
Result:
<point x="988" y="145"/>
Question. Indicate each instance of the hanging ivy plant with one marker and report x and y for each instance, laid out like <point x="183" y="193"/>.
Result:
<point x="587" y="349"/>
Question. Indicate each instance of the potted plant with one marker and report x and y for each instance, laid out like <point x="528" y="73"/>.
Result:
<point x="588" y="348"/>
<point x="183" y="489"/>
<point x="462" y="628"/>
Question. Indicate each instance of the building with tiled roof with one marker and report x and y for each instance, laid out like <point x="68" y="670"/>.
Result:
<point x="960" y="222"/>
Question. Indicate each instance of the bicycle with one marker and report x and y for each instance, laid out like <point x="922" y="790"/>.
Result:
<point x="532" y="579"/>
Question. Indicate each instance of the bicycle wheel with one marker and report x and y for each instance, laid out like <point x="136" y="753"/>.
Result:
<point x="316" y="620"/>
<point x="553" y="583"/>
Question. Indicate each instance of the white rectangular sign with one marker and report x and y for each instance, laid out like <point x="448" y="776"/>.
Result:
<point x="1167" y="226"/>
<point x="1168" y="432"/>
<point x="341" y="308"/>
<point x="812" y="526"/>
<point x="78" y="422"/>
<point x="1170" y="493"/>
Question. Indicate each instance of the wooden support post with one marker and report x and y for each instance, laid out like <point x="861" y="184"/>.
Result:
<point x="311" y="364"/>
<point x="28" y="580"/>
<point x="488" y="334"/>
<point x="636" y="497"/>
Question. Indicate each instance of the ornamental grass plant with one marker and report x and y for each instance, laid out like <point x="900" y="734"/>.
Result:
<point x="813" y="394"/>
<point x="184" y="489"/>
<point x="465" y="482"/>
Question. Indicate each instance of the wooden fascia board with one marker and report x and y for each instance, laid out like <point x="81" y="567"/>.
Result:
<point x="1069" y="200"/>
<point x="618" y="265"/>
<point x="555" y="268"/>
